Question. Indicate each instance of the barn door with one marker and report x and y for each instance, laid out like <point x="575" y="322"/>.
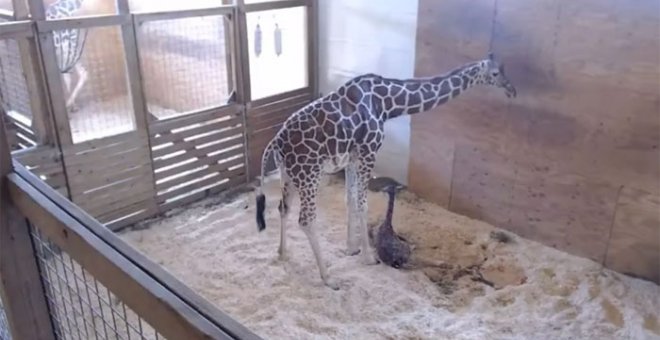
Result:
<point x="93" y="80"/>
<point x="280" y="73"/>
<point x="196" y="129"/>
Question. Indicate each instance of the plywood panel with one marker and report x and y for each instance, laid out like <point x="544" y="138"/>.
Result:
<point x="564" y="210"/>
<point x="110" y="175"/>
<point x="482" y="185"/>
<point x="613" y="43"/>
<point x="586" y="121"/>
<point x="636" y="235"/>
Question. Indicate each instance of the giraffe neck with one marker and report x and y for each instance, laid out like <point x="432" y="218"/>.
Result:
<point x="417" y="95"/>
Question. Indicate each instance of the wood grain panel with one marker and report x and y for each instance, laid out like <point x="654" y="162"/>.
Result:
<point x="586" y="121"/>
<point x="635" y="246"/>
<point x="482" y="185"/>
<point x="567" y="211"/>
<point x="111" y="175"/>
<point x="612" y="43"/>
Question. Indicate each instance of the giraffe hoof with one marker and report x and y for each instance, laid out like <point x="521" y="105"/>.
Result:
<point x="282" y="256"/>
<point x="352" y="252"/>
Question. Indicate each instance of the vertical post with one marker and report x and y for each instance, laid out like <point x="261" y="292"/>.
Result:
<point x="21" y="287"/>
<point x="140" y="111"/>
<point x="313" y="47"/>
<point x="129" y="37"/>
<point x="34" y="80"/>
<point x="241" y="64"/>
<point x="52" y="81"/>
<point x="227" y="21"/>
<point x="53" y="76"/>
<point x="240" y="25"/>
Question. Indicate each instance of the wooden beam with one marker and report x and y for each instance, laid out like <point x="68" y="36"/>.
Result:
<point x="143" y="17"/>
<point x="173" y="318"/>
<point x="83" y="22"/>
<point x="6" y="14"/>
<point x="16" y="30"/>
<point x="42" y="124"/>
<point x="158" y="273"/>
<point x="313" y="47"/>
<point x="243" y="94"/>
<point x="271" y="5"/>
<point x="21" y="287"/>
<point x="227" y="22"/>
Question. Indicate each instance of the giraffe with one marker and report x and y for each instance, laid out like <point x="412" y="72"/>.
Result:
<point x="344" y="130"/>
<point x="69" y="44"/>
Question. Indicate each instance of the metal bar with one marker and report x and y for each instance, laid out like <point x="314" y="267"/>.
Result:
<point x="44" y="26"/>
<point x="266" y="6"/>
<point x="142" y="17"/>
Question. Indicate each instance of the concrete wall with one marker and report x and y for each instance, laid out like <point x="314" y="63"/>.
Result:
<point x="360" y="36"/>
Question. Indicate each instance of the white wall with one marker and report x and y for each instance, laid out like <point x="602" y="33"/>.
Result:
<point x="367" y="36"/>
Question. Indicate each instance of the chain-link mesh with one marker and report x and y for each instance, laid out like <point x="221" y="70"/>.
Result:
<point x="184" y="64"/>
<point x="80" y="306"/>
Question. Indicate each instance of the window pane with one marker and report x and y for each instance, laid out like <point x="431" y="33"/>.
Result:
<point x="95" y="81"/>
<point x="277" y="42"/>
<point x="184" y="64"/>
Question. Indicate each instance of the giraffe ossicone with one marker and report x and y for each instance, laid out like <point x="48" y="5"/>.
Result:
<point x="344" y="130"/>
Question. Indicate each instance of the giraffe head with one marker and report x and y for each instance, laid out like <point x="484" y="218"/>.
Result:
<point x="493" y="74"/>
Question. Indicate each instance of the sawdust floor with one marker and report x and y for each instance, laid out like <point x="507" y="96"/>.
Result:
<point x="496" y="290"/>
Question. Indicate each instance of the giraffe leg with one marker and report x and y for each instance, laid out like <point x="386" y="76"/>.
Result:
<point x="352" y="242"/>
<point x="82" y="79"/>
<point x="283" y="208"/>
<point x="307" y="221"/>
<point x="66" y="78"/>
<point x="363" y="175"/>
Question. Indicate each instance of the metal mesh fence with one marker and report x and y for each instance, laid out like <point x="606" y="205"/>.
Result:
<point x="96" y="88"/>
<point x="184" y="64"/>
<point x="4" y="326"/>
<point x="14" y="97"/>
<point x="13" y="88"/>
<point x="80" y="306"/>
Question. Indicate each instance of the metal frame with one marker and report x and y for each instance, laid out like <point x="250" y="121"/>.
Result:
<point x="179" y="311"/>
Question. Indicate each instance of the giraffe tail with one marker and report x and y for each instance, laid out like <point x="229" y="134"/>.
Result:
<point x="261" y="198"/>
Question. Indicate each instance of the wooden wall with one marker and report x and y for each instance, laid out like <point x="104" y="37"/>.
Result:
<point x="573" y="161"/>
